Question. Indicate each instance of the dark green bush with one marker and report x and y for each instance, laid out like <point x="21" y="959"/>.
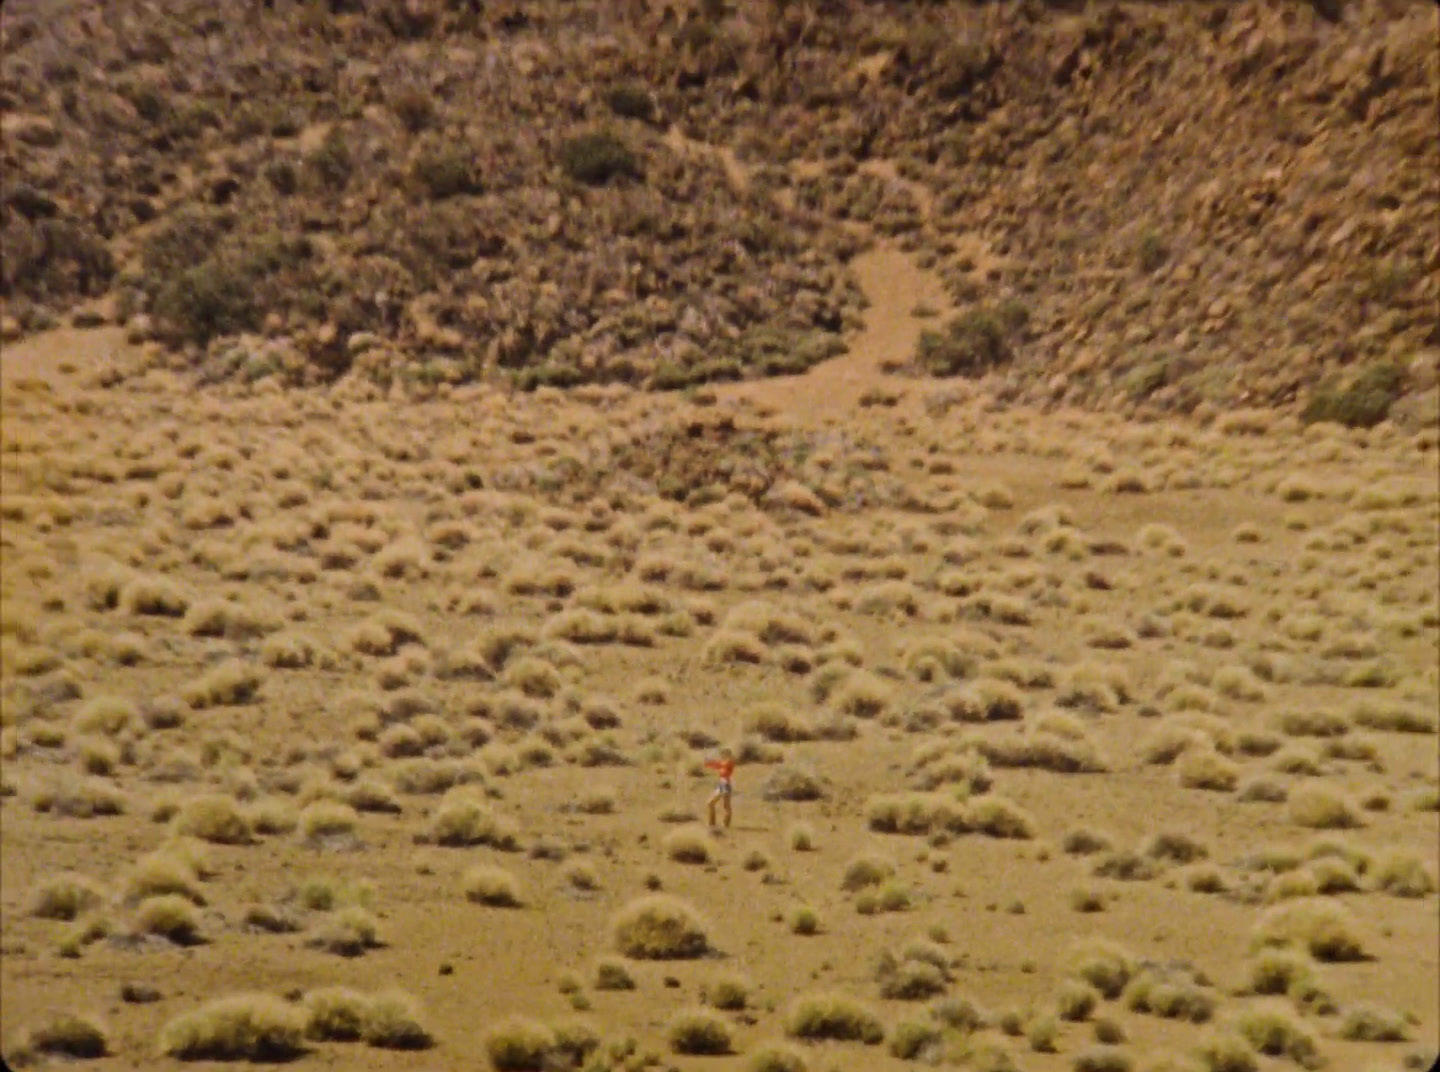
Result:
<point x="1151" y="252"/>
<point x="414" y="107"/>
<point x="445" y="172"/>
<point x="971" y="344"/>
<point x="332" y="163"/>
<point x="283" y="177"/>
<point x="1363" y="401"/>
<point x="598" y="157"/>
<point x="208" y="301"/>
<point x="219" y="292"/>
<point x="632" y="102"/>
<point x="184" y="240"/>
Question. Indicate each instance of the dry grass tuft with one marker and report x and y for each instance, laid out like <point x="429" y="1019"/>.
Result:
<point x="690" y="845"/>
<point x="65" y="897"/>
<point x="64" y="1037"/>
<point x="1318" y="925"/>
<point x="1105" y="965"/>
<point x="1226" y="1051"/>
<point x="776" y="1057"/>
<point x="1401" y="873"/>
<point x="1274" y="1030"/>
<point x="229" y="683"/>
<point x="393" y="1021"/>
<point x="215" y="818"/>
<point x="660" y="927"/>
<point x="520" y="1044"/>
<point x="463" y="819"/>
<point x="1372" y="1023"/>
<point x="1320" y="808"/>
<point x="612" y="973"/>
<point x="494" y="886"/>
<point x="1172" y="993"/>
<point x="1206" y="768"/>
<point x="699" y="1032"/>
<point x="244" y="1027"/>
<point x="835" y="1017"/>
<point x="335" y="1014"/>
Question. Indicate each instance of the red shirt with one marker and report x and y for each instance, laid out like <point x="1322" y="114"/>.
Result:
<point x="724" y="767"/>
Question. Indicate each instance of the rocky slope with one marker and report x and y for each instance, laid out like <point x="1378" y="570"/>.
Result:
<point x="1169" y="204"/>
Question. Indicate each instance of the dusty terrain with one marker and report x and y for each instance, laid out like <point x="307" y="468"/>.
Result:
<point x="398" y="508"/>
<point x="1146" y="682"/>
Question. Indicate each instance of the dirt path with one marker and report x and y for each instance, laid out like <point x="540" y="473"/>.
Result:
<point x="894" y="285"/>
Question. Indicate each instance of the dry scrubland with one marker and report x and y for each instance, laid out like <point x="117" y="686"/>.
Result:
<point x="365" y="723"/>
<point x="373" y="733"/>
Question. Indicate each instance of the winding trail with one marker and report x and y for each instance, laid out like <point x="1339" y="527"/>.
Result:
<point x="893" y="285"/>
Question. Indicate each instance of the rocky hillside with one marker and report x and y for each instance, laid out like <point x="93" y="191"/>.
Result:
<point x="1170" y="204"/>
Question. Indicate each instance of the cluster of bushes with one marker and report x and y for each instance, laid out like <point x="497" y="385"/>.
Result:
<point x="973" y="343"/>
<point x="1362" y="400"/>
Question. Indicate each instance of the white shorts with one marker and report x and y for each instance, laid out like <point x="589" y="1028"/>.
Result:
<point x="724" y="789"/>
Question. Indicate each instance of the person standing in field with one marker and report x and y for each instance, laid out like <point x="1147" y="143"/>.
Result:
<point x="725" y="767"/>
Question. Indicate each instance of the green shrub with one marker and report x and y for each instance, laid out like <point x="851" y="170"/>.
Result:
<point x="212" y="299"/>
<point x="445" y="172"/>
<point x="414" y="107"/>
<point x="1151" y="252"/>
<point x="331" y="163"/>
<point x="1363" y="400"/>
<point x="632" y="102"/>
<point x="971" y="344"/>
<point x="597" y="157"/>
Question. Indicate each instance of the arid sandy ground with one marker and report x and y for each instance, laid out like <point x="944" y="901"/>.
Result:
<point x="1169" y="685"/>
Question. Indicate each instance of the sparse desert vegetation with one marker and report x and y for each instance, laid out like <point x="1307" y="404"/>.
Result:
<point x="410" y="505"/>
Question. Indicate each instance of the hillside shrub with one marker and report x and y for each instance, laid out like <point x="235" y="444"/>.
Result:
<point x="632" y="102"/>
<point x="971" y="344"/>
<point x="597" y="157"/>
<point x="445" y="172"/>
<point x="1361" y="401"/>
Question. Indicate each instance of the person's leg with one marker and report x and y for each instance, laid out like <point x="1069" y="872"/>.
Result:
<point x="728" y="813"/>
<point x="710" y="806"/>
